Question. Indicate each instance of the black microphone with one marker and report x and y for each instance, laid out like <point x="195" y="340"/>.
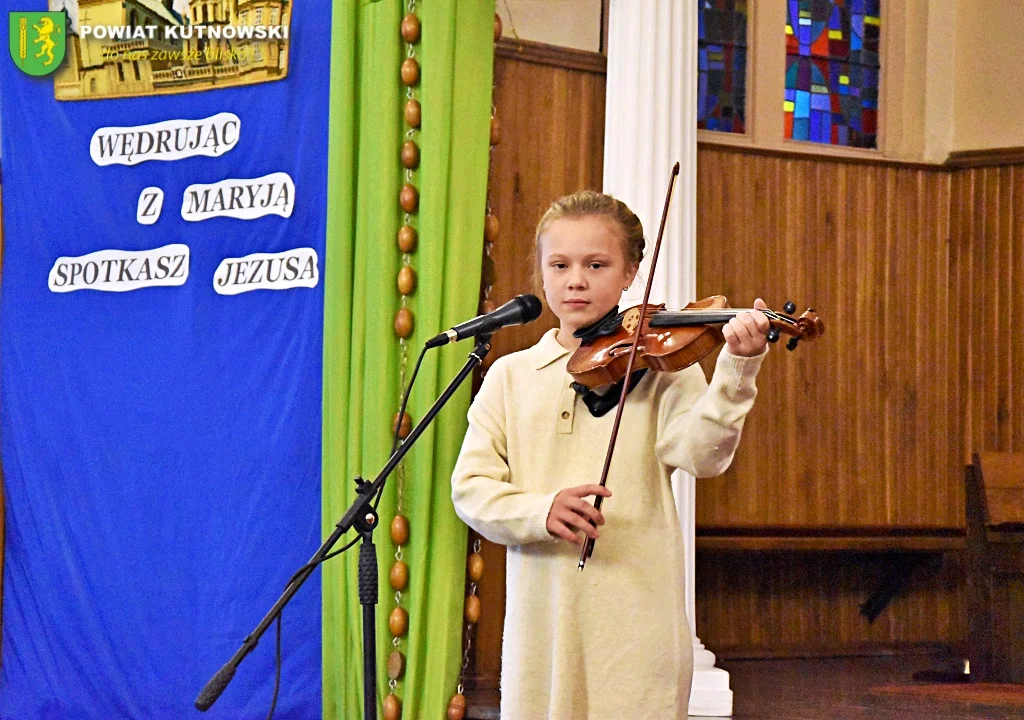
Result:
<point x="216" y="686"/>
<point x="517" y="311"/>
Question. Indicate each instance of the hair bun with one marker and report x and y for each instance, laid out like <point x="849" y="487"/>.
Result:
<point x="589" y="203"/>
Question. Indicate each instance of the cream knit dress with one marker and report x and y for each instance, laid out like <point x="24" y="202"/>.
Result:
<point x="611" y="642"/>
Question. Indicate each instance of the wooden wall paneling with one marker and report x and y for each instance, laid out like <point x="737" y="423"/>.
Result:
<point x="969" y="202"/>
<point x="972" y="301"/>
<point x="961" y="303"/>
<point x="1015" y="280"/>
<point x="1005" y="325"/>
<point x="946" y="421"/>
<point x="1006" y="328"/>
<point x="989" y="320"/>
<point x="958" y="257"/>
<point x="954" y="385"/>
<point x="980" y="307"/>
<point x="989" y="269"/>
<point x="852" y="429"/>
<point x="921" y="485"/>
<point x="856" y="322"/>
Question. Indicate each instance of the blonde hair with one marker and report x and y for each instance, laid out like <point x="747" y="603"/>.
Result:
<point x="587" y="203"/>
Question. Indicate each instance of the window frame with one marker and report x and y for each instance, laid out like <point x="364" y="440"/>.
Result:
<point x="766" y="82"/>
<point x="748" y="96"/>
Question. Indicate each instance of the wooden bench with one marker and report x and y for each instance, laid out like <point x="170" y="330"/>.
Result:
<point x="994" y="484"/>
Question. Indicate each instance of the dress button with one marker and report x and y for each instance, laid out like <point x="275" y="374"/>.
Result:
<point x="565" y="414"/>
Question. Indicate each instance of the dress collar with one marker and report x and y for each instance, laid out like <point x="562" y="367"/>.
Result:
<point x="547" y="350"/>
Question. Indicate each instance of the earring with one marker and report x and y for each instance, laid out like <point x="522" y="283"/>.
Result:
<point x="625" y="288"/>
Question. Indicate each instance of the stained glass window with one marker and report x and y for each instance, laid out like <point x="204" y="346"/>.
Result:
<point x="722" y="65"/>
<point x="832" y="70"/>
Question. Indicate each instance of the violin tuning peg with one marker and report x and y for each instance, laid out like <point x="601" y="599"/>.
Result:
<point x="791" y="345"/>
<point x="773" y="335"/>
<point x="789" y="308"/>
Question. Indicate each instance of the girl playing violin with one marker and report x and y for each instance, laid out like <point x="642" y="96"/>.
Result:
<point x="613" y="642"/>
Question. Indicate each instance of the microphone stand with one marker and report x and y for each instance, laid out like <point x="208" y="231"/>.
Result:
<point x="363" y="517"/>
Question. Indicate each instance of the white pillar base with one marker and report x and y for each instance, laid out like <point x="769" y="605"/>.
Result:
<point x="710" y="695"/>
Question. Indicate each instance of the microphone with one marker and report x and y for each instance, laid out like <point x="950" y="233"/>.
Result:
<point x="215" y="687"/>
<point x="517" y="311"/>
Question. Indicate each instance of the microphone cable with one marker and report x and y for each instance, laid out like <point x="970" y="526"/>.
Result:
<point x="395" y="440"/>
<point x="277" y="644"/>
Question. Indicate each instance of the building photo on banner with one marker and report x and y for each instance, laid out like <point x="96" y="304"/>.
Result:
<point x="659" y="356"/>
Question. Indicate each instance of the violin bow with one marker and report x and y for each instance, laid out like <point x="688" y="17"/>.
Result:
<point x="588" y="542"/>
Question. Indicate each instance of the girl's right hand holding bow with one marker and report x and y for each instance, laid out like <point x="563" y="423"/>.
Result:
<point x="570" y="514"/>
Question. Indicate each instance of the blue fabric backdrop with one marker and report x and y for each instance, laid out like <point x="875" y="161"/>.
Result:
<point x="160" y="447"/>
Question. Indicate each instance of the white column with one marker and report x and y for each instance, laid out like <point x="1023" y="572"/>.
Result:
<point x="710" y="695"/>
<point x="651" y="123"/>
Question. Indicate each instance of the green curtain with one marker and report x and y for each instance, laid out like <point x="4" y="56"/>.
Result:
<point x="361" y="351"/>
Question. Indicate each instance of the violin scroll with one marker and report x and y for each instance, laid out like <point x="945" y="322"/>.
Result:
<point x="806" y="327"/>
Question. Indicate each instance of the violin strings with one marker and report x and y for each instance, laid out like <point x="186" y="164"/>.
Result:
<point x="728" y="314"/>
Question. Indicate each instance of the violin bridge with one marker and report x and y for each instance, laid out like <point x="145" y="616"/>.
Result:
<point x="630" y="320"/>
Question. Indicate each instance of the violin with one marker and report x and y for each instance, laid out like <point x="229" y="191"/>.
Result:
<point x="672" y="340"/>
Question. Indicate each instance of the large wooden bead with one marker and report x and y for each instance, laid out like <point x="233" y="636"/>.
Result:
<point x="457" y="707"/>
<point x="411" y="72"/>
<point x="400" y="530"/>
<point x="475" y="567"/>
<point x="403" y="323"/>
<point x="472" y="609"/>
<point x="409" y="198"/>
<point x="487" y="272"/>
<point x="398" y="623"/>
<point x="396" y="665"/>
<point x="411" y="29"/>
<point x="404" y="427"/>
<point x="491" y="228"/>
<point x="495" y="131"/>
<point x="399" y="577"/>
<point x="392" y="707"/>
<point x="406" y="280"/>
<point x="410" y="155"/>
<point x="407" y="238"/>
<point x="497" y="27"/>
<point x="413" y="113"/>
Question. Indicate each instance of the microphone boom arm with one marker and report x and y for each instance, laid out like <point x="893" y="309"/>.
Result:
<point x="363" y="517"/>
